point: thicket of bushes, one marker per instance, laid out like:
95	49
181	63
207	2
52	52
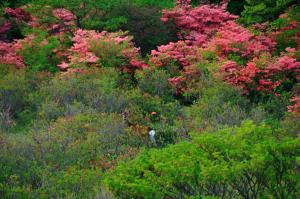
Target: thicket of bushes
78	98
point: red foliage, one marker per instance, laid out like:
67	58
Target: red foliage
9	56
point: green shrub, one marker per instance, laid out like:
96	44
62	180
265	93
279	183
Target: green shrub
219	105
15	91
64	96
242	162
65	158
155	82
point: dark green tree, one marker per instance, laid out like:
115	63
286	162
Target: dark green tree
257	11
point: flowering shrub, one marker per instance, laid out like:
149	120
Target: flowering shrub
66	20
5	27
233	38
212	28
295	108
197	24
40	51
263	75
11	22
103	49
64	15
179	59
19	14
8	55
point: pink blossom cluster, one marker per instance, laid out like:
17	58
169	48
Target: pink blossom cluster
181	54
254	77
233	38
67	19
198	24
295	107
5	27
64	14
9	56
88	43
19	14
210	27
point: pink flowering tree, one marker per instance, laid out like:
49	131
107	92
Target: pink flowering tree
13	18
264	75
197	27
9	56
66	21
233	39
179	60
198	24
295	107
103	49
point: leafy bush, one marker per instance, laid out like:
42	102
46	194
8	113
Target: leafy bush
155	82
247	161
14	97
78	103
66	95
218	106
65	158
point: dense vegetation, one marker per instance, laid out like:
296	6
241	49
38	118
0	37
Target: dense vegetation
83	82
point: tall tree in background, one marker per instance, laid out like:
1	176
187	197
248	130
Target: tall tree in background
257	11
